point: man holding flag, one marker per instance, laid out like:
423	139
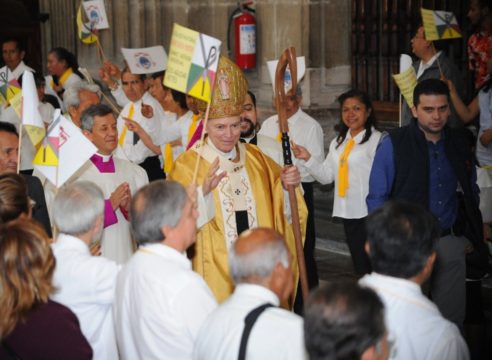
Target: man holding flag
436	28
146	111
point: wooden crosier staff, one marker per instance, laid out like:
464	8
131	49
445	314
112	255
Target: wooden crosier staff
288	57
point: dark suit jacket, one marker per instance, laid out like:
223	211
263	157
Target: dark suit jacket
39	211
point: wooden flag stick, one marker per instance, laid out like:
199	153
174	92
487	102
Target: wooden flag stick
399	110
202	136
89	79
102	55
288	57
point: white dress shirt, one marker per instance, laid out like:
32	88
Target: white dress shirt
119	95
303	130
17	72
71	81
137	153
269	146
353	205
160	305
424	66
116	243
86	284
414	324
277	334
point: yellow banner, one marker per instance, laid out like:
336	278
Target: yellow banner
192	62
406	82
440	25
16	103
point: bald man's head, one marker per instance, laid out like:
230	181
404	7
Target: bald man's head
260	256
253	240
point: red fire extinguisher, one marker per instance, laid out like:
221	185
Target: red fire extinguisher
245	35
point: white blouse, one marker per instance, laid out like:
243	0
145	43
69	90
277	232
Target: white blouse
353	205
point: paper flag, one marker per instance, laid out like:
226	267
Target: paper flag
406	79
16	103
85	31
301	71
439	25
96	13
31	118
63	151
45	156
146	60
192	63
13	89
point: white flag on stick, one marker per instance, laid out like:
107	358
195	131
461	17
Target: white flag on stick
63	151
146	60
31	117
96	13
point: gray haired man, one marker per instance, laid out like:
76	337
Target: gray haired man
160	302
79	97
260	267
84	283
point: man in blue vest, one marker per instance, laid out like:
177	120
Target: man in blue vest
426	162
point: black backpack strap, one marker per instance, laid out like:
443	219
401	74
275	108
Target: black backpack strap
249	322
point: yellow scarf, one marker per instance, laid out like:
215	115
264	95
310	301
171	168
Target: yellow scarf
63	78
193	125
131	111
343	169
168	158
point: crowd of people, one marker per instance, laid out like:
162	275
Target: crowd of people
175	239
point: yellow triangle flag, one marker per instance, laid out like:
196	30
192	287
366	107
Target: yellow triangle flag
16	103
45	156
36	134
12	92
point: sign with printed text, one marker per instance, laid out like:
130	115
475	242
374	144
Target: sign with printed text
192	63
406	82
439	25
146	60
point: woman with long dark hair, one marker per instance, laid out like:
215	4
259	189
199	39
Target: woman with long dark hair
348	164
63	72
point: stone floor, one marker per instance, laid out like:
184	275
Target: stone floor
334	262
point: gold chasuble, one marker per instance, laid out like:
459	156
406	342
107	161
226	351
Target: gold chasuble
264	198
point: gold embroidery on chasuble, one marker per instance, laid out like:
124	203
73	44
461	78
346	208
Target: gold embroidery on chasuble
235	192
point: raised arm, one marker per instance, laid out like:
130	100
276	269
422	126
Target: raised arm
144	136
466	113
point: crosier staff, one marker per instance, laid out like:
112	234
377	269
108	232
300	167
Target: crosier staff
288	57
